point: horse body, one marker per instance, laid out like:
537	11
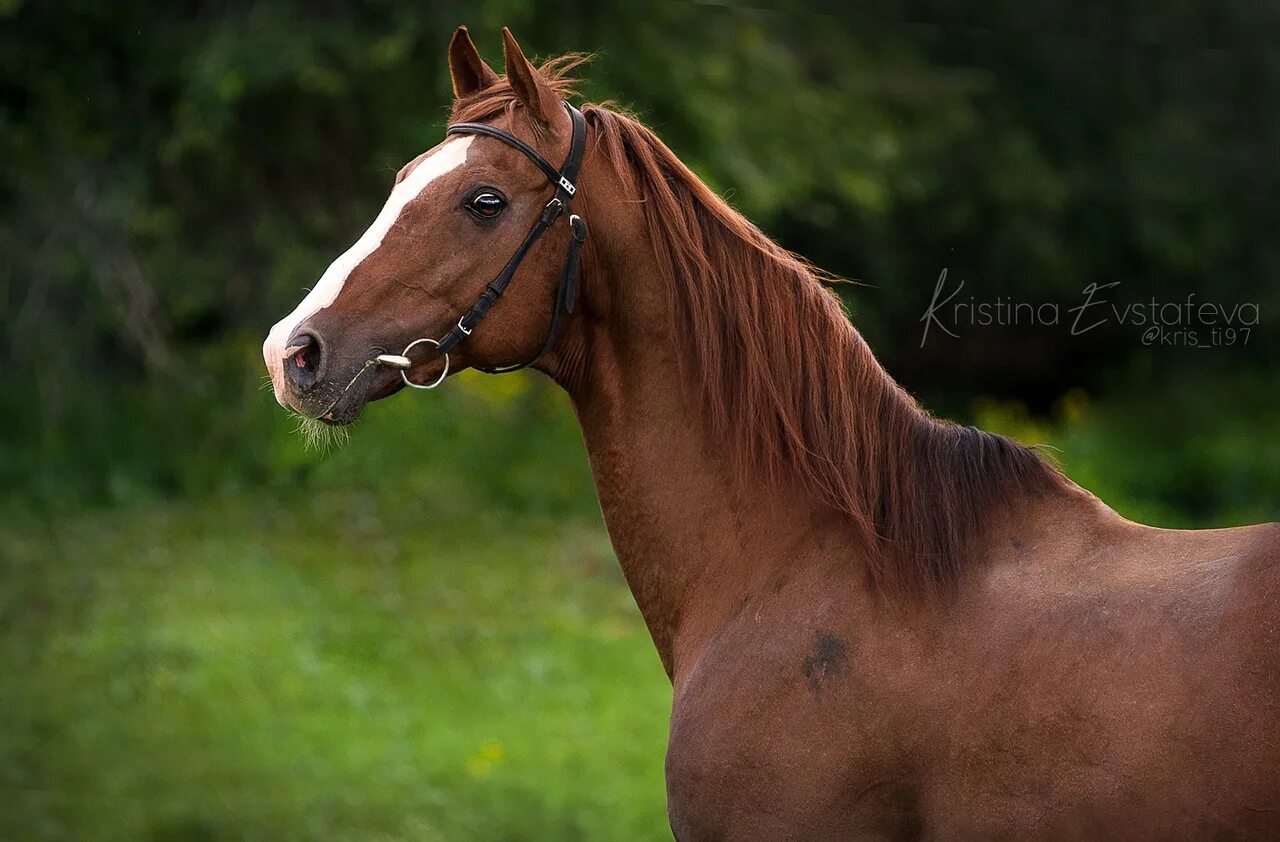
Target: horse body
1085	674
876	624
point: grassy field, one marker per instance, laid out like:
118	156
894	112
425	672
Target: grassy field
356	661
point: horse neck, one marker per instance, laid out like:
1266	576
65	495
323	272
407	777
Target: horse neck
693	543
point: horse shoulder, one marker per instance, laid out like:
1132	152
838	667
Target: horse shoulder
786	693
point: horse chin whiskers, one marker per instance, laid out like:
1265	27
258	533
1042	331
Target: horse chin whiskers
319	435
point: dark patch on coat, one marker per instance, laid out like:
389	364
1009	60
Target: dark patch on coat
828	659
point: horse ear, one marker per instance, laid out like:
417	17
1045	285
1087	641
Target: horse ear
525	81
469	72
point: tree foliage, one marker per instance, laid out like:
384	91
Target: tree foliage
176	173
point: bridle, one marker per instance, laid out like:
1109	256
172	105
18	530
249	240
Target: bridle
563	180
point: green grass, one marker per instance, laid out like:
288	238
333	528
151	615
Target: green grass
329	665
423	635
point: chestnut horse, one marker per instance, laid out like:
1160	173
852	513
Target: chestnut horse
876	624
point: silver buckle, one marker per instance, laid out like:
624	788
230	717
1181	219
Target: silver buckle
465	332
567	186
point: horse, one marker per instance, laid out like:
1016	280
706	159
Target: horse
877	624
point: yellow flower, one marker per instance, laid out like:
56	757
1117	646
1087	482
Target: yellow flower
482	762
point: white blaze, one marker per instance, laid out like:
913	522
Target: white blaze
446	157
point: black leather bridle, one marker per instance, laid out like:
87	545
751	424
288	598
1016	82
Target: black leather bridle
561	203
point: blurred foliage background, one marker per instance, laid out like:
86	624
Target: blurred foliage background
207	632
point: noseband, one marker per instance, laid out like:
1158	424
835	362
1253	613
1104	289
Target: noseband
563	180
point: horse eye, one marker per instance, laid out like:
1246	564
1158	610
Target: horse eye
486	204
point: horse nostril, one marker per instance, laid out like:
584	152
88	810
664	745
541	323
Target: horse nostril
303	359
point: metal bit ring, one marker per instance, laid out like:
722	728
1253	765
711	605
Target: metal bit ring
404	375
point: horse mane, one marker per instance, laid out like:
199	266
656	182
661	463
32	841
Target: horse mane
785	380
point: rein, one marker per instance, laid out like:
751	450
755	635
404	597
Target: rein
561	203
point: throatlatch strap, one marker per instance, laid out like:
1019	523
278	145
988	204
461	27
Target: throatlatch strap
565	294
